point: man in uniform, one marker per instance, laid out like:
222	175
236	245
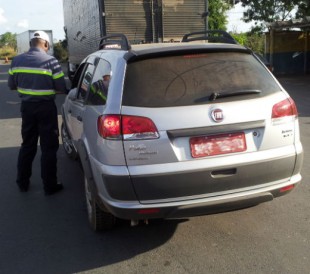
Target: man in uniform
37	77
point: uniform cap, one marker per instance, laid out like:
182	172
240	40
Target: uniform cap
41	34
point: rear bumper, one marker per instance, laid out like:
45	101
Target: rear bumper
253	183
193	206
173	182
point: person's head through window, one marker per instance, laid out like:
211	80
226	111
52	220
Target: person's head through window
106	80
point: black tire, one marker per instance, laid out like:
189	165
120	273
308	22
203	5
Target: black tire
67	143
99	219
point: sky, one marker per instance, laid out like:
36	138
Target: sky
235	23
17	16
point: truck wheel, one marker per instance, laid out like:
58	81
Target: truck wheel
99	219
67	143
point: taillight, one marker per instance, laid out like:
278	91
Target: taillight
284	108
109	126
128	127
137	127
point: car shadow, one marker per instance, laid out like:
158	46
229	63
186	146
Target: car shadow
52	233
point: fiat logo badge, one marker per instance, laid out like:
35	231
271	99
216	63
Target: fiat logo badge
217	115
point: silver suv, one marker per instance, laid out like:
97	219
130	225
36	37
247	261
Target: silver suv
178	130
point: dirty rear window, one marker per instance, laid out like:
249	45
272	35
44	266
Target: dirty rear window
185	80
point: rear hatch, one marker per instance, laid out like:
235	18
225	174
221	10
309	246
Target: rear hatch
199	125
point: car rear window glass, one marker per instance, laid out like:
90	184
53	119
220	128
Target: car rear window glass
188	79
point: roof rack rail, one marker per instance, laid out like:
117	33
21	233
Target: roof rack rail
114	41
214	36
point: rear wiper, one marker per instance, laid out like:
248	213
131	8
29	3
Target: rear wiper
218	95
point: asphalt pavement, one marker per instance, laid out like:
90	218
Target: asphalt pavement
40	234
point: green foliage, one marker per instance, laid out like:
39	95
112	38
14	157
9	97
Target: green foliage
8	45
7	51
303	9
268	11
8	39
217	14
253	41
241	38
60	52
256	42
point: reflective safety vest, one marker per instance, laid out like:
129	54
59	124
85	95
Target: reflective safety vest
36	76
98	89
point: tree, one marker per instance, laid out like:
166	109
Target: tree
268	11
8	39
254	41
303	9
217	14
60	51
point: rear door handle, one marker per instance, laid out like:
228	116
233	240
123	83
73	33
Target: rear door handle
223	173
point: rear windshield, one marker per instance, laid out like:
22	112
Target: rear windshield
188	80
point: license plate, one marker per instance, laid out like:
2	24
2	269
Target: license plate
217	144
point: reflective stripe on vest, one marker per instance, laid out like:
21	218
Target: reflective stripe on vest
36	92
36	71
31	71
58	75
98	92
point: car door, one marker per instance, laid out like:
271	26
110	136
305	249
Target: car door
78	106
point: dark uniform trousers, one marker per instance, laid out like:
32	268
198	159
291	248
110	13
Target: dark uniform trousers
39	121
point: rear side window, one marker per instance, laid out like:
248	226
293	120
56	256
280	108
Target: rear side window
187	80
100	84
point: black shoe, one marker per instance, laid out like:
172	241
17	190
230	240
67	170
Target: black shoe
23	187
58	187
